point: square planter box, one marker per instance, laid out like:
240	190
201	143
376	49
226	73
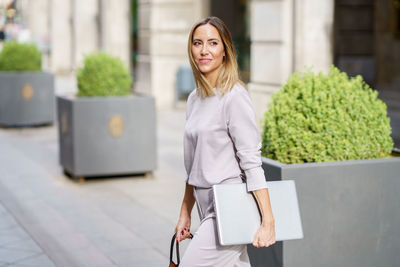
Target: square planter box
350	213
26	98
103	136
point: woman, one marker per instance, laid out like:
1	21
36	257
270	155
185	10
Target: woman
221	144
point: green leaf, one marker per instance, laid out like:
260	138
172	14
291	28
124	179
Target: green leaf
326	117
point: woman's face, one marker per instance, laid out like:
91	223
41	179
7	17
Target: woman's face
208	50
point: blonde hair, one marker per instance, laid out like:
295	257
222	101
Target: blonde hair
228	75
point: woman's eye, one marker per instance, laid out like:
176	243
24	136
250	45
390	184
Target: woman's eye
214	43
196	43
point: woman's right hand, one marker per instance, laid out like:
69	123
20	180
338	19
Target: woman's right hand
182	228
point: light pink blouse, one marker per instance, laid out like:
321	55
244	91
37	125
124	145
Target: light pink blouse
221	140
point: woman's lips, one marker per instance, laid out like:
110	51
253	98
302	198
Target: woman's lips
205	61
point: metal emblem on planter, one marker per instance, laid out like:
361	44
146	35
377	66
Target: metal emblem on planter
64	123
116	126
27	91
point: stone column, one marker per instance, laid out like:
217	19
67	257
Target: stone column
314	34
36	16
115	28
164	26
36	20
86	30
271	49
81	27
61	58
143	71
286	36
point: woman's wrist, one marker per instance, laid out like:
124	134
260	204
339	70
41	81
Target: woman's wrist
267	221
184	215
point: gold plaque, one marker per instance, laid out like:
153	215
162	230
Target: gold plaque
116	126
64	123
27	91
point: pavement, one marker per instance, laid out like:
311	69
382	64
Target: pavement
48	219
17	248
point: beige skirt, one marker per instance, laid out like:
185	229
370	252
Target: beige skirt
204	249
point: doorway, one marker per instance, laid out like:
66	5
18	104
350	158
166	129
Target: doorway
367	42
235	14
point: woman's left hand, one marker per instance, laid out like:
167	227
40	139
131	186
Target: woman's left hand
265	235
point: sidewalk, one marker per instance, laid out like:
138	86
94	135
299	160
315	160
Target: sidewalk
103	222
17	248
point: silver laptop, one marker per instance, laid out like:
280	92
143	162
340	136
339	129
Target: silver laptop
238	217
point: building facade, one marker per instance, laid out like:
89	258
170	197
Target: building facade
71	29
273	37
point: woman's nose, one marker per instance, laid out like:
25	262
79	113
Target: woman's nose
204	50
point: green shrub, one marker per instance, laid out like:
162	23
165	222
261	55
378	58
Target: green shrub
317	118
20	57
103	75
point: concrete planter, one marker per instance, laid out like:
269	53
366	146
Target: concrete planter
101	136
350	213
26	98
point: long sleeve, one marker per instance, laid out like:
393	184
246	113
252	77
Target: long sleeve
242	128
188	146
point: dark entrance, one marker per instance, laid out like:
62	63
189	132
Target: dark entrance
235	14
134	35
367	42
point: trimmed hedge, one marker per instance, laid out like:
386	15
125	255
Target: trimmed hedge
20	57
318	118
103	75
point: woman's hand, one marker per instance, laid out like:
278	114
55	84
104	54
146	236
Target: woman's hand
265	235
182	228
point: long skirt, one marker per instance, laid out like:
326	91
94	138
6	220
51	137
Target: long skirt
204	249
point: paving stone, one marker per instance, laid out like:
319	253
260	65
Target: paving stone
2	210
119	221
137	256
12	236
7	222
84	257
37	261
24	244
146	264
109	245
12	256
16	230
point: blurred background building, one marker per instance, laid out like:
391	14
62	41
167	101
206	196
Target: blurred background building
273	39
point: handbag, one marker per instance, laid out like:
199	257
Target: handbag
171	251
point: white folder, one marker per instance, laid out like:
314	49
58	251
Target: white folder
238	217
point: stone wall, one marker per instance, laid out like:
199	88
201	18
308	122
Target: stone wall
115	35
61	60
164	26
286	36
75	28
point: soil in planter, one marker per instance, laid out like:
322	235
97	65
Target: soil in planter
395	152
395	155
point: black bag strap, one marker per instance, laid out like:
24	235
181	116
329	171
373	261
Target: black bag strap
171	252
